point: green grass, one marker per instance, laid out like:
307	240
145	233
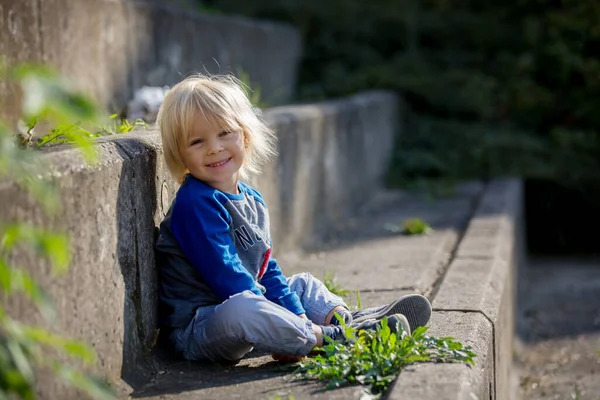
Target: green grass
411	226
330	283
576	395
374	359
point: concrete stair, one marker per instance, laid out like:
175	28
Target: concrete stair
325	192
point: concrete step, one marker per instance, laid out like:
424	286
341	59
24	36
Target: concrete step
381	265
111	210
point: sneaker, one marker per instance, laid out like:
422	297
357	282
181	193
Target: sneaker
414	307
396	322
345	317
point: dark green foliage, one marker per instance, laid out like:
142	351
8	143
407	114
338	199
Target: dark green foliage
502	87
528	60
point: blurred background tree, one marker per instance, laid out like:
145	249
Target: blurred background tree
494	88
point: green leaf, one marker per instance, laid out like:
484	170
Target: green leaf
44	192
70	347
376	357
20	360
44	95
12	278
95	387
54	246
415	226
5	277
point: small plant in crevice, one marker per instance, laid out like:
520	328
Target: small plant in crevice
411	226
330	283
253	90
576	395
358	301
374	359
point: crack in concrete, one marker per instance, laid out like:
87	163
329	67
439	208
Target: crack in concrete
433	291
463	310
453	256
474	258
407	288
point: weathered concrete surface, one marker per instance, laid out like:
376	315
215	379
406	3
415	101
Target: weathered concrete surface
112	209
186	41
361	256
91	299
481	277
87	42
109	48
332	155
452	381
362	238
364	255
558	329
19	42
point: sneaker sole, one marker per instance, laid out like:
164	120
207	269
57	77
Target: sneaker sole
414	307
403	322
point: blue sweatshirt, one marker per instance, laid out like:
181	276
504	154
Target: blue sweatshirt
213	245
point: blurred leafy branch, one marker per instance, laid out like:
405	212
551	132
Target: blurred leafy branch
27	350
72	117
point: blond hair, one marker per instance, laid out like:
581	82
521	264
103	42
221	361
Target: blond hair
222	100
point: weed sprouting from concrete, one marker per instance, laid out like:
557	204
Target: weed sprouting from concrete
68	133
374	359
411	226
330	283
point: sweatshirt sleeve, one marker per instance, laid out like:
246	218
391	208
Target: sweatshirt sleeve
201	226
278	290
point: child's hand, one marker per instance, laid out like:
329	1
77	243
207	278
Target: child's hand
286	359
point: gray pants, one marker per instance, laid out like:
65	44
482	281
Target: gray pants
230	330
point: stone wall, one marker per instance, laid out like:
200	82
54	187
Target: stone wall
109	48
331	156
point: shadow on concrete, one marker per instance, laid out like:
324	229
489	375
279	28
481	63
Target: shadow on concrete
255	377
135	253
186	376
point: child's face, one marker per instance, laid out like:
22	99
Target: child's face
214	155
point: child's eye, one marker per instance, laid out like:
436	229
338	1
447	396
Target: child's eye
196	141
224	133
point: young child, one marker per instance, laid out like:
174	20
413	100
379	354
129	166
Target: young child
222	293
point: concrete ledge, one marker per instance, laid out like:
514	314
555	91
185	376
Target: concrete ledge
452	381
332	156
111	210
480	280
472	297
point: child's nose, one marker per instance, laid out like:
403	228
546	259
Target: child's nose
215	146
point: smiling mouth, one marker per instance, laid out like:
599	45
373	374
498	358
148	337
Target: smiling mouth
218	164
